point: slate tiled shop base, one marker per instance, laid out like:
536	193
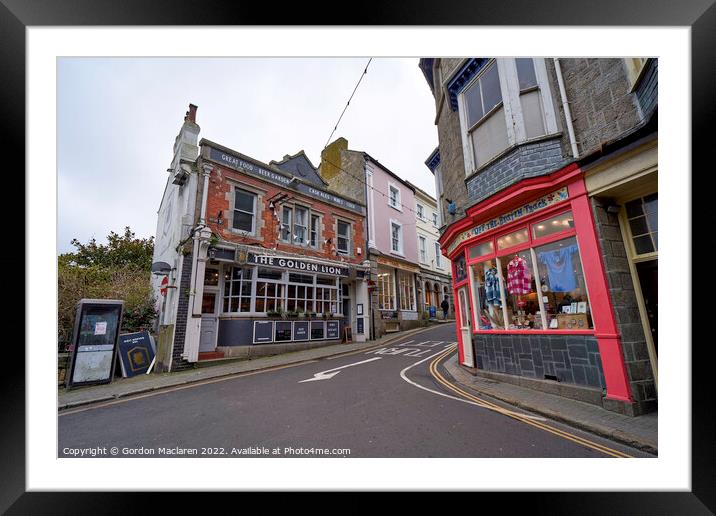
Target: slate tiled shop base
572	359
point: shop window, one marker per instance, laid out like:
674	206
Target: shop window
642	215
561	222
237	289
269	290
344	237
386	290
407	291
562	286
244	210
211	277
482	249
522	309
487	289
516	238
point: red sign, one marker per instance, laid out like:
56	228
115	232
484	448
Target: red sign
164	283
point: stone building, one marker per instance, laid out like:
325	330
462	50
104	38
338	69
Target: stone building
549	196
260	257
391	237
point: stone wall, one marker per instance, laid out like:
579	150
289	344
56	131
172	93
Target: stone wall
602	106
572	359
626	308
527	160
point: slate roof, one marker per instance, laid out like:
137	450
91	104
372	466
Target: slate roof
300	166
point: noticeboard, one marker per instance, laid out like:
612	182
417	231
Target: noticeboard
300	330
332	330
94	343
318	330
263	332
136	352
283	331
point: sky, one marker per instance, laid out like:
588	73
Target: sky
118	118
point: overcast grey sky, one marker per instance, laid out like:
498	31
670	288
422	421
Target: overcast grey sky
118	117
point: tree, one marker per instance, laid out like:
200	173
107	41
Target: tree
118	270
121	251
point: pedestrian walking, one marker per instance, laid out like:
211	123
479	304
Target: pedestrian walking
445	305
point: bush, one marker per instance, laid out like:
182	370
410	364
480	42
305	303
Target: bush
129	284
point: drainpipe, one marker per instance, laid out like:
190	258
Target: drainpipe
565	106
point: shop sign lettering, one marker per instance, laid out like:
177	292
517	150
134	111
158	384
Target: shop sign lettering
297	265
250	168
527	209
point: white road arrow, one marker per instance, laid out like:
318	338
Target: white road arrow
326	375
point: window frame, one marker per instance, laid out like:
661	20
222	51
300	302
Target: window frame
391	187
255	197
438	256
514	119
385	277
308	227
348	251
401	237
422	249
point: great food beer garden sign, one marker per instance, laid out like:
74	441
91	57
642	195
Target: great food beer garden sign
247	167
293	264
516	214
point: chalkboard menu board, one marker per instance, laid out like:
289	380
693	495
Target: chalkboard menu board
300	330
317	330
283	331
263	331
359	326
332	330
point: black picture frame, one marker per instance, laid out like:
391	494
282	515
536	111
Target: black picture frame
700	16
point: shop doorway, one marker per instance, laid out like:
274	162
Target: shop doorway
464	328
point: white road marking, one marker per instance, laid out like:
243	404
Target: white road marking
501	410
326	375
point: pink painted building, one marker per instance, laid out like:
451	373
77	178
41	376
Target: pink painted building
391	239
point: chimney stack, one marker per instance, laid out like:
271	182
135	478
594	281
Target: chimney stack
191	114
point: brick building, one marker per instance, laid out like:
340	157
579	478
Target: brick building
261	258
548	188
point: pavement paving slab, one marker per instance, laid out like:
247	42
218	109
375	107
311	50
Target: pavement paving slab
640	432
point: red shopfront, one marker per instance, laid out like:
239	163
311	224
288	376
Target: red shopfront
530	290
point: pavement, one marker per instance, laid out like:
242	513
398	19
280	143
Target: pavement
122	387
640	432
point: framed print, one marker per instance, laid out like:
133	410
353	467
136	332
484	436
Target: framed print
130	82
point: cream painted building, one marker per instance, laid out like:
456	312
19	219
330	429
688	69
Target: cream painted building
435	275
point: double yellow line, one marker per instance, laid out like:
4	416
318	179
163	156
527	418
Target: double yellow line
491	406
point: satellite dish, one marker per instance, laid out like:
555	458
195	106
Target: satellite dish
161	268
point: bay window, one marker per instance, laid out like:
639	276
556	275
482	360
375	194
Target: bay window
506	103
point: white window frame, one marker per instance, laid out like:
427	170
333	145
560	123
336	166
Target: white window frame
311	215
510	90
347	252
405	279
422	249
420	211
292	226
435	219
254	215
386	279
438	256
401	237
391	187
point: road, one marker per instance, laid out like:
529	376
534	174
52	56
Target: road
385	402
